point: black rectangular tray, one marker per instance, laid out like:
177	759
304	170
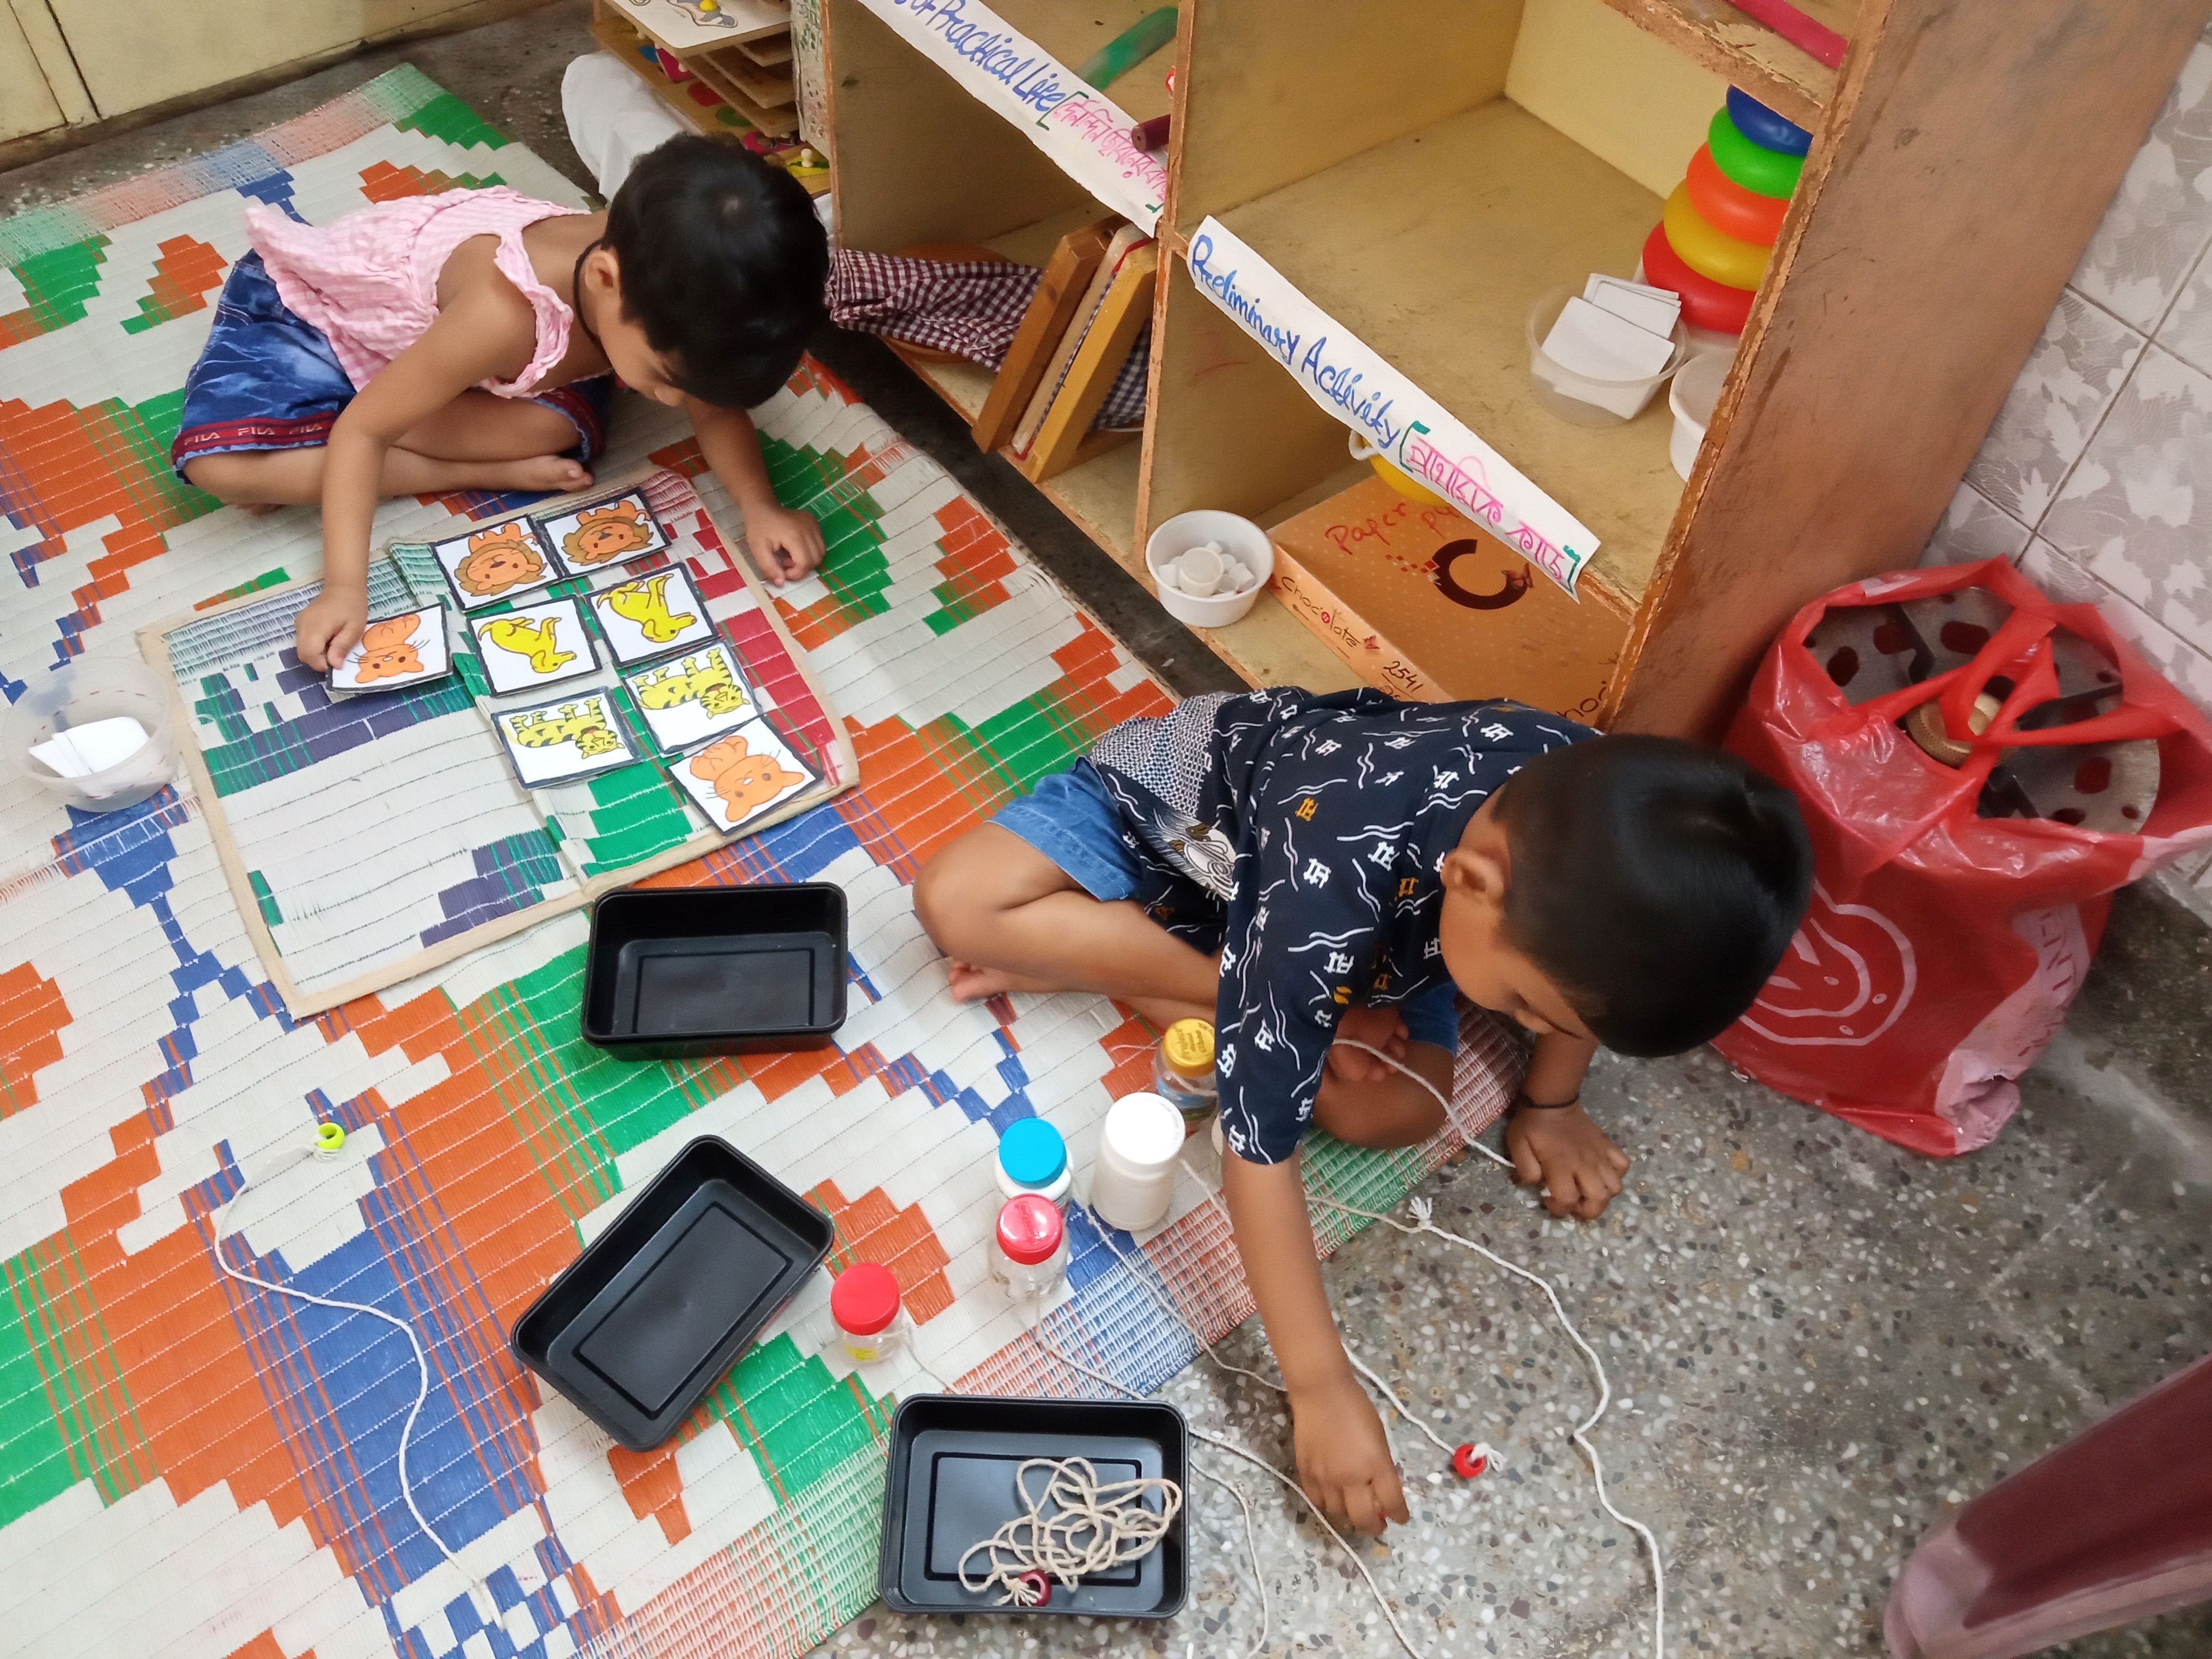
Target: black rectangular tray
679	973
647	1321
952	1483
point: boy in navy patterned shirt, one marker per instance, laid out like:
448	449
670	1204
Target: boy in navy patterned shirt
1311	871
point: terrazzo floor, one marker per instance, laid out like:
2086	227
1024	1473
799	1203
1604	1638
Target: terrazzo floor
1817	1342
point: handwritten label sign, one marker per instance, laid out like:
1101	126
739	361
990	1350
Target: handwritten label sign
1082	129
1348	378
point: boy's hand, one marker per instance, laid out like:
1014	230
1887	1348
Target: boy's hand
1344	1458
1379	1028
330	626
787	542
1569	1157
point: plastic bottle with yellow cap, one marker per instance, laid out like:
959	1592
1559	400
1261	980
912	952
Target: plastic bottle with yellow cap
1182	1073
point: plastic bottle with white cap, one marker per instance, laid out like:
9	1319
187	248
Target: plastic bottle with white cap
1033	1159
1028	1247
1132	1183
871	1325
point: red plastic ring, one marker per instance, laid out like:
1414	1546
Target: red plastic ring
1728	207
1040	1584
1468	1462
1705	303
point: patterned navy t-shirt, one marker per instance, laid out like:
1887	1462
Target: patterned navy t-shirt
1305	835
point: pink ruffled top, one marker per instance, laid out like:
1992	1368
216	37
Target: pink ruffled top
369	282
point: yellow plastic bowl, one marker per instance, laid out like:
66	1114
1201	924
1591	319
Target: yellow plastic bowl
1395	476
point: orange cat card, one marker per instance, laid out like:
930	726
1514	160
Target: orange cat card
396	652
741	774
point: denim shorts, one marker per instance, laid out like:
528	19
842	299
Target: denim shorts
1072	819
267	379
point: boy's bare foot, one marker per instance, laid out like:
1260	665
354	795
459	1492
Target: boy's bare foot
972	984
537	473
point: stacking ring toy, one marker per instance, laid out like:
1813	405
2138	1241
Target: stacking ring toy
1730	208
1711	253
1705	303
1763	172
1763	127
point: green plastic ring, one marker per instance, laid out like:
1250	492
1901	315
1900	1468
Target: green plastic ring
1761	171
330	1137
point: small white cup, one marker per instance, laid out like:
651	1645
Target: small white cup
1695	394
1233	539
1198	572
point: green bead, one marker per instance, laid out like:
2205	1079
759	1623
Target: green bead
1761	171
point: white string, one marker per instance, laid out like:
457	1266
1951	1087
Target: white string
1422	1212
1093	1526
421	1361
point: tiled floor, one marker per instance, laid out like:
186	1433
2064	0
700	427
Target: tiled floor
1817	1342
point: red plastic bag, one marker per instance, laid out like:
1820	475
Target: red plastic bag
1943	947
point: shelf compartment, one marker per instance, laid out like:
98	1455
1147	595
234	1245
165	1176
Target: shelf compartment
1437	245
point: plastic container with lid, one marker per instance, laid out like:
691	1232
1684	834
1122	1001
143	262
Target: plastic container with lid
1028	1247
1133	1184
1182	1071
1033	1159
865	1302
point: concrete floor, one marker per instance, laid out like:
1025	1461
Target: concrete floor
1818	1343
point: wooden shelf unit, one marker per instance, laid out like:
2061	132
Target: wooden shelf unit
1422	174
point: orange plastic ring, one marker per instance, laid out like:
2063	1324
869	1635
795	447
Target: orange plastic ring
1709	252
1730	208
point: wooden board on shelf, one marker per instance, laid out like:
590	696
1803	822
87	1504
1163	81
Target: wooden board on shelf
769	88
1787	79
609	29
1108	336
768	51
1051	309
1439	245
775	123
684	29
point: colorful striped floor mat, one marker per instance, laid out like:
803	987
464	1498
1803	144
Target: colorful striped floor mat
191	1465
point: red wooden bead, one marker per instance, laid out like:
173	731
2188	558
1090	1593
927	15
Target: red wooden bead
1468	1462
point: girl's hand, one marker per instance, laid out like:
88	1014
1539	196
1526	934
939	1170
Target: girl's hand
787	542
330	626
1344	1458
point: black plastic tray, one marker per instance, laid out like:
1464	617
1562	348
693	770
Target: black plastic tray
951	1482
648	1318
678	973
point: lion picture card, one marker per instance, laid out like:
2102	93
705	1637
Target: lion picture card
498	562
610	531
394	653
576	737
740	776
651	617
689	699
536	646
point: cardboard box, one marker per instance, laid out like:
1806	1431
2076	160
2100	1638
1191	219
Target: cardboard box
1423	604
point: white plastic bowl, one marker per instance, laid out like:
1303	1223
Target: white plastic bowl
1695	394
89	689
1240	538
1584	399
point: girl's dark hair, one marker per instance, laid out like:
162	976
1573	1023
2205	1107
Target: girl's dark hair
1656	883
723	266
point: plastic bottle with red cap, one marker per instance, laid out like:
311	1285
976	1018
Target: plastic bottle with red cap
871	1325
1028	1247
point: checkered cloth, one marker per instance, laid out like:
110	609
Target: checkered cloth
970	309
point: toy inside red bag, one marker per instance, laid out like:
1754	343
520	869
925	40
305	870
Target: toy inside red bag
1980	769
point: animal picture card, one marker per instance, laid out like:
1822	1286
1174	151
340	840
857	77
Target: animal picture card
564	741
603	532
537	645
652	616
737	778
688	699
395	653
487	566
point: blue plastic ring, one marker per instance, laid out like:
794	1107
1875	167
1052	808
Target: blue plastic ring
1763	127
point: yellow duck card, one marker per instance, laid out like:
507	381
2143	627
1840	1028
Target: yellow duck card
537	645
652	616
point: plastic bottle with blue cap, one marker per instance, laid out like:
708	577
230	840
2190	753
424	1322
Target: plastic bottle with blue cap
1033	1159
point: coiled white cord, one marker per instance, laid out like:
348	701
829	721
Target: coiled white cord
422	1360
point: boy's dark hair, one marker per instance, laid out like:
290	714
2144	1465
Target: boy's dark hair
1656	883
723	266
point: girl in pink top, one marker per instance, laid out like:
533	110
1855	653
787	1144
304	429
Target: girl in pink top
466	340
